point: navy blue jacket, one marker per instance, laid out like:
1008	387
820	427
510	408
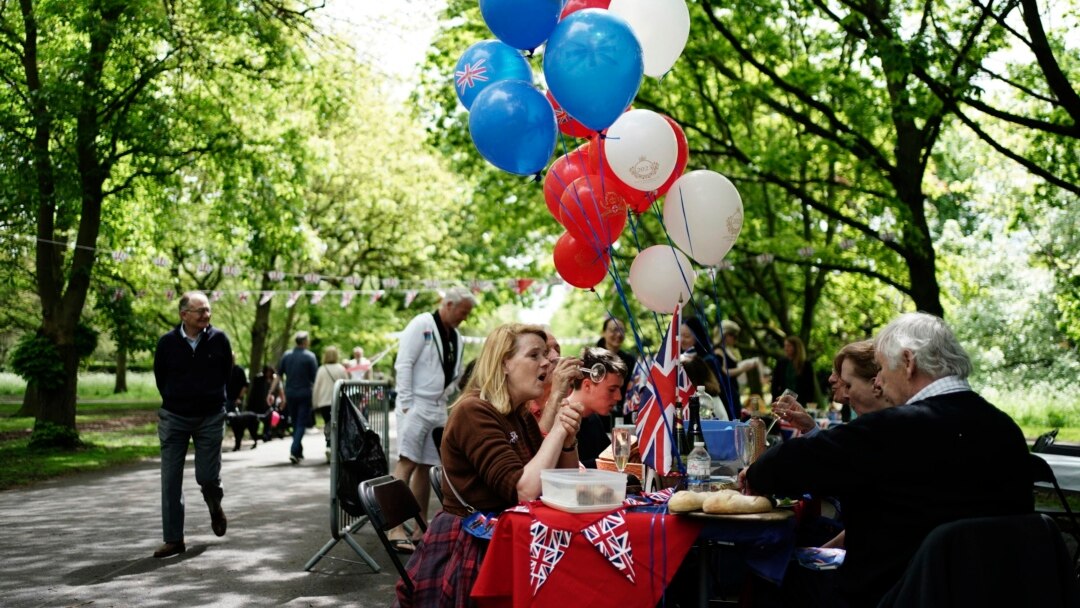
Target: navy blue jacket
299	368
192	383
901	472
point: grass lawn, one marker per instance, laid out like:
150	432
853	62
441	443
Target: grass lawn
114	433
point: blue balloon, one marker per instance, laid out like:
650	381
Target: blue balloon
486	63
523	24
513	126
593	66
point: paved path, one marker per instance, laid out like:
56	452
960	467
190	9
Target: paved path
87	540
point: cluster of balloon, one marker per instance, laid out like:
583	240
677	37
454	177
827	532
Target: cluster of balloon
595	55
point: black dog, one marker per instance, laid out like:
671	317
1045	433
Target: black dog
245	421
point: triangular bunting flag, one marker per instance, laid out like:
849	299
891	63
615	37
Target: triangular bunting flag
244	296
375	295
346	297
119	256
317	296
547	548
410	295
265	297
216	295
293	297
170	294
522	285
611	537
117	294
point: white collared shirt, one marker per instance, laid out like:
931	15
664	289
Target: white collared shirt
193	342
941	386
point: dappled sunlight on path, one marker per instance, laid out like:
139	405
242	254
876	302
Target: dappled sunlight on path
88	539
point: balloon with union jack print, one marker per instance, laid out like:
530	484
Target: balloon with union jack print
484	64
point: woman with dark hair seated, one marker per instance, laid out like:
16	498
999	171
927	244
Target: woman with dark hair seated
701	365
492	454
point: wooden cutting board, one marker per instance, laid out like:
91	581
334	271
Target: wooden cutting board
770	516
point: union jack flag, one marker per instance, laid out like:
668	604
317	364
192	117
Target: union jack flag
611	537
655	426
472	74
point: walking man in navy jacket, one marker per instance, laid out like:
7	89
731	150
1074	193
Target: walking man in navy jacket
191	366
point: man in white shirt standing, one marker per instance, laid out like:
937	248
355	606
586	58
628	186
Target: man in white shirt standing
428	362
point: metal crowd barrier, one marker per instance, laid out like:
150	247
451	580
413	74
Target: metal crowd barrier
372	399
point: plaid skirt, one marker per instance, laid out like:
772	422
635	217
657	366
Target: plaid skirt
444	568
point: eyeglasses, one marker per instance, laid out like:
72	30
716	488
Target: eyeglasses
198	311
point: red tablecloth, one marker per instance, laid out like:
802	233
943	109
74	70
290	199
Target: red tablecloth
583	577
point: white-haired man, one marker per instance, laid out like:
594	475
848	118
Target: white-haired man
943	453
428	361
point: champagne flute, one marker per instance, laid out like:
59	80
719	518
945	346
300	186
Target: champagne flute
744	444
621	436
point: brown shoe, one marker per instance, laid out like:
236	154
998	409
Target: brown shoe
218	523
170	549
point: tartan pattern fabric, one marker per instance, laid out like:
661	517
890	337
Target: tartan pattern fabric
611	537
444	568
547	548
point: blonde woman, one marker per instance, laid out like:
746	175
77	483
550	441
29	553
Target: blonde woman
492	453
322	396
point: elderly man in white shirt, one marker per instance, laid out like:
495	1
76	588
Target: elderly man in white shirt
427	365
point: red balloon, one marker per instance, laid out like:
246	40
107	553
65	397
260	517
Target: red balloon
578	263
566	123
635	199
574	6
593	212
563	172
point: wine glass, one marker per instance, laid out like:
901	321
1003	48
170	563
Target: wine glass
744	444
621	436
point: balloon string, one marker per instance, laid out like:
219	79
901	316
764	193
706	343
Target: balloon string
588	228
726	381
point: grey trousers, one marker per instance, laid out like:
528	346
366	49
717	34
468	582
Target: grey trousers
175	432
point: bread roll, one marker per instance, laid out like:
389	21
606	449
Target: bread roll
685	502
732	502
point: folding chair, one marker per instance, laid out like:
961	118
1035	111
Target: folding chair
389	503
1044	441
1017	560
435	475
1042	473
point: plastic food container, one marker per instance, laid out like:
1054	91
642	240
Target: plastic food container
576	488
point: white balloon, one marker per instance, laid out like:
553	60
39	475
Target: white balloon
661	26
661	277
703	214
641	149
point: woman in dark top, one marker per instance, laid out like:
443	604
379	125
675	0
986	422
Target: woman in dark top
701	365
793	372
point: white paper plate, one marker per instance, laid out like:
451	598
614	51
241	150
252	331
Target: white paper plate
578	508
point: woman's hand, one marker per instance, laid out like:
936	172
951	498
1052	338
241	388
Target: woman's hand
789	410
569	418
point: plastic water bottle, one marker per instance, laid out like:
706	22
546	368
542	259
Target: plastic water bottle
698	465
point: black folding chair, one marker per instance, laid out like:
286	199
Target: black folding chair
1044	441
1041	472
1017	560
389	503
435	475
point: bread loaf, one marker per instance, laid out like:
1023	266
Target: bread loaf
685	502
730	501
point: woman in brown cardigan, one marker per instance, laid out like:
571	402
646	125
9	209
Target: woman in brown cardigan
492	454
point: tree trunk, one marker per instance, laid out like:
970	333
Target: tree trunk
55	423
121	370
31	402
260	330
